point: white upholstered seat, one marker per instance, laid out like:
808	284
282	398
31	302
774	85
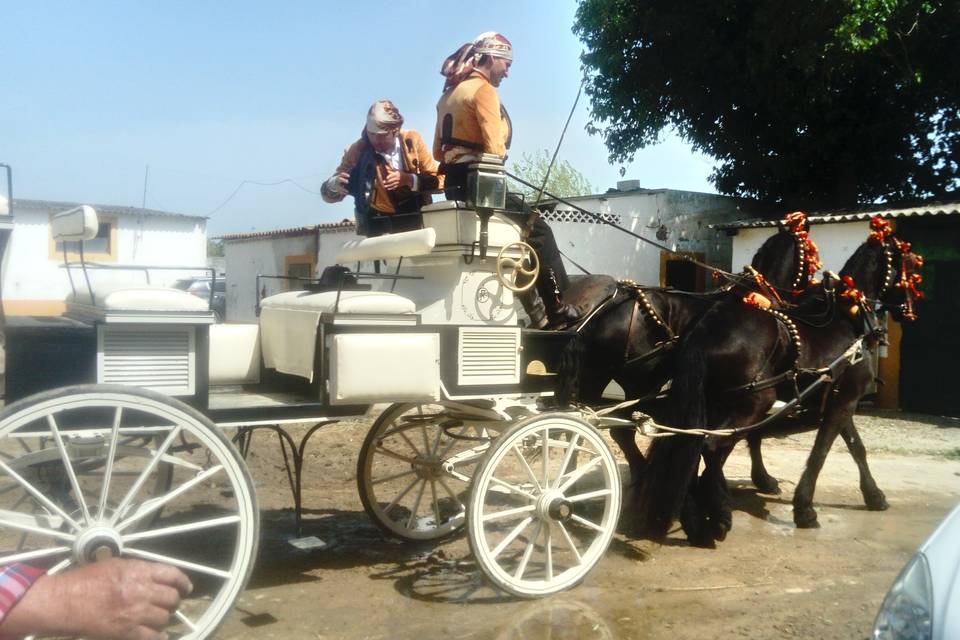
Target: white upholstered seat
350	302
120	297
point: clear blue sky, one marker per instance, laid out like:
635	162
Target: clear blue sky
213	93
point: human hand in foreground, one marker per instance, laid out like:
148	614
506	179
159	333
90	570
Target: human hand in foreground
120	599
396	179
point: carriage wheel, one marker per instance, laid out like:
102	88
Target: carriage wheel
544	505
414	470
95	471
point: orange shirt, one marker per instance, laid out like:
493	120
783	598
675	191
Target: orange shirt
416	159
477	118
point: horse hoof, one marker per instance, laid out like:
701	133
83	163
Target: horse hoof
767	484
806	519
720	530
702	541
877	501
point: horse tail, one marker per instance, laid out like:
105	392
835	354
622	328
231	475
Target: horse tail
672	462
569	371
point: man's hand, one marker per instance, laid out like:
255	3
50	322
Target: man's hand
116	598
343	179
396	179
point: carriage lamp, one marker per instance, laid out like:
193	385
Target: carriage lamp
486	192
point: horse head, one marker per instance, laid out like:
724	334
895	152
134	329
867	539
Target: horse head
884	270
789	259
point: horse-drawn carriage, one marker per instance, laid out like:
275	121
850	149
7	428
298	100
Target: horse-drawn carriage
123	416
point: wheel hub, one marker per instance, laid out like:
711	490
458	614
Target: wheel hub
427	468
97	543
552	505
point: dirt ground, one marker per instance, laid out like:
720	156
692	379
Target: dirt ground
768	579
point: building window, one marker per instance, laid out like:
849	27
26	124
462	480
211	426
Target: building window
678	273
301	266
102	248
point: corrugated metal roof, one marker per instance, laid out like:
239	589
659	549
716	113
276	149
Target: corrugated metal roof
343	225
111	209
928	209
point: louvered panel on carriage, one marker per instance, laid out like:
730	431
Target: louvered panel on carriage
157	357
488	355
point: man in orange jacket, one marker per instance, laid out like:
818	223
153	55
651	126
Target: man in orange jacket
470	122
389	172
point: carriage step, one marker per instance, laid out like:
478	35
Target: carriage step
307	543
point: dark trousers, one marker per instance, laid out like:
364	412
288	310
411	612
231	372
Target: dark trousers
553	278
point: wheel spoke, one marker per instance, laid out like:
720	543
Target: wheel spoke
548	542
590	495
177	562
108	469
416	505
390	454
182	528
408	472
406	438
401	495
513	488
526	466
571	450
190	624
152	505
38	495
586	523
33	524
546	456
63	565
436	504
527	552
446	487
162	449
507	513
32	555
570	543
579	473
510	537
52	423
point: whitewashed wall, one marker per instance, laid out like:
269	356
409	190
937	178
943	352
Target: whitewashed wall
603	249
836	241
32	274
249	257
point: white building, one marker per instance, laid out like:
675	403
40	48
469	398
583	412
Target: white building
678	220
299	252
34	281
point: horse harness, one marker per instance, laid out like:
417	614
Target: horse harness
641	304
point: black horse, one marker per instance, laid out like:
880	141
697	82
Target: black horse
631	338
736	362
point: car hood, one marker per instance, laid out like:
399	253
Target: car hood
942	550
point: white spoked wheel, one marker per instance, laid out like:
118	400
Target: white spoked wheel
544	505
97	471
414	470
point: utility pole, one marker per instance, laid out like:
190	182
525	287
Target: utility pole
146	176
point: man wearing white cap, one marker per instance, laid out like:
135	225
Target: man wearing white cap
388	171
471	121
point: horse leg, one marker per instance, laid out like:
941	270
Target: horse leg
804	515
872	495
694	511
762	480
626	440
715	491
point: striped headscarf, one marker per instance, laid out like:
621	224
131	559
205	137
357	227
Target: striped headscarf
463	61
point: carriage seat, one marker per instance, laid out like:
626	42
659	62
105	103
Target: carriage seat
288	322
123	297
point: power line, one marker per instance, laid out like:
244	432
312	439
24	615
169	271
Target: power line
261	184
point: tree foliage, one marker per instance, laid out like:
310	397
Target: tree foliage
214	248
565	181
809	103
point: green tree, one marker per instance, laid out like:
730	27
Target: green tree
564	181
214	248
809	103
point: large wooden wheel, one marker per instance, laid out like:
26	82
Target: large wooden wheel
96	471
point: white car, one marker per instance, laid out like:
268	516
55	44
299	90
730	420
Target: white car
924	601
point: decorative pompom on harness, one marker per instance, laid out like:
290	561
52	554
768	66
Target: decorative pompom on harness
808	253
